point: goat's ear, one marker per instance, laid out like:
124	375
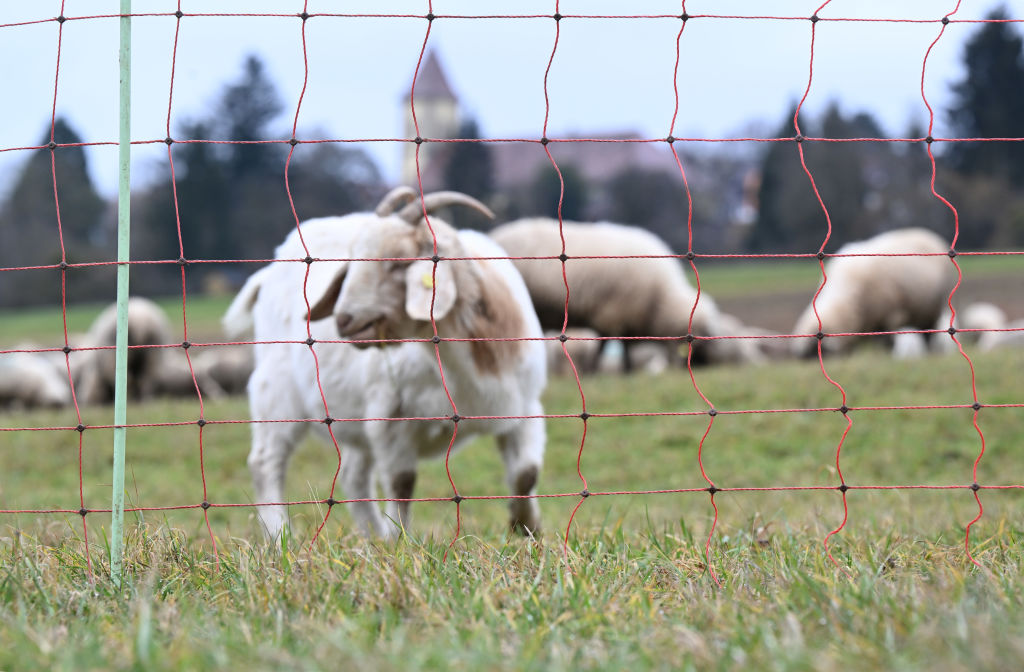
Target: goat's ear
323	286
423	284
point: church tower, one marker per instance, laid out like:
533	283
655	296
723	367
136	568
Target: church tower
437	111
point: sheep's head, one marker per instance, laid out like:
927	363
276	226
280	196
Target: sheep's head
393	287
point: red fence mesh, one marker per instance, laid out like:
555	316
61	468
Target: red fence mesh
691	257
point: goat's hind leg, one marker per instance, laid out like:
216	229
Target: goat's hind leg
522	450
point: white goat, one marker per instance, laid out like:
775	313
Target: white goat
879	293
367	389
622	294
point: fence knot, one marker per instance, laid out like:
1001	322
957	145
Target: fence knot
712	490
205	505
83	511
457	498
584	415
843	488
67	349
670	139
435	339
310	341
557	16
80	428
975	487
976	406
585	493
455	417
684	17
330	501
201	422
562	337
168	141
328	421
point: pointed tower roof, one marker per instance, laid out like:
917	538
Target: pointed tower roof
431	83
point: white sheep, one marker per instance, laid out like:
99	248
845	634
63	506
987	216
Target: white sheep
879	293
1013	337
33	380
982	316
94	370
624	294
367	389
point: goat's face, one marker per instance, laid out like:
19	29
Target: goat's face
389	294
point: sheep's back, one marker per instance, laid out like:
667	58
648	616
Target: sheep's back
614	296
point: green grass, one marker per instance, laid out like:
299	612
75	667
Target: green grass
631	590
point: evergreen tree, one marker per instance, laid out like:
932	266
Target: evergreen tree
989	103
232	202
468	168
29	233
543	195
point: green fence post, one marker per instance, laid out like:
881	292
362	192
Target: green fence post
121	346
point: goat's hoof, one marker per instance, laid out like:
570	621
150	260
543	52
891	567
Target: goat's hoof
526	528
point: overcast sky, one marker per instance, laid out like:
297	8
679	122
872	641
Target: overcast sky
608	75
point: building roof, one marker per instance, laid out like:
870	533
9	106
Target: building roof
431	83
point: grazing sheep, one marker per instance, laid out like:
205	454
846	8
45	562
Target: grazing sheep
879	293
980	315
370	300
226	366
625	296
94	374
1004	339
32	380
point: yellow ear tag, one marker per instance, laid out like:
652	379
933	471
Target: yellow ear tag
427	280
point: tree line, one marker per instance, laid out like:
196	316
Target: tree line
228	199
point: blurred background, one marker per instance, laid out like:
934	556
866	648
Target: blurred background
739	79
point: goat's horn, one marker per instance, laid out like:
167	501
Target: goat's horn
395	199
439	199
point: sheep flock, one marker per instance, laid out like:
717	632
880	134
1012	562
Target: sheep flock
390	314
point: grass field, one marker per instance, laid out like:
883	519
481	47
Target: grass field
631	589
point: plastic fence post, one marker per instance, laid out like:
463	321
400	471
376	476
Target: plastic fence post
121	351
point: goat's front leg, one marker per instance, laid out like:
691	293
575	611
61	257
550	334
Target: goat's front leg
357	481
272	445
